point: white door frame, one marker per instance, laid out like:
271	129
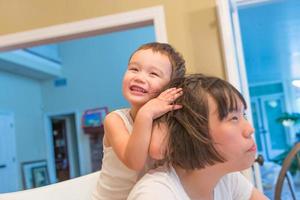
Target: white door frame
259	132
234	60
272	153
13	162
82	141
94	26
148	16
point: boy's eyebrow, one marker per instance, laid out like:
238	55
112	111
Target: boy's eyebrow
150	67
134	63
156	69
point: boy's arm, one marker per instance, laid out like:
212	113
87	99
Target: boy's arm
124	143
132	149
159	141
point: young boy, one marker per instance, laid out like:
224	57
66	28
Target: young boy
128	131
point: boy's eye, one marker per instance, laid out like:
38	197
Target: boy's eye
135	69
154	74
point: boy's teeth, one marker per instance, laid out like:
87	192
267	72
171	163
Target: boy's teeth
139	89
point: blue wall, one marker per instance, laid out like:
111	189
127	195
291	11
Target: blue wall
93	68
22	96
270	36
49	52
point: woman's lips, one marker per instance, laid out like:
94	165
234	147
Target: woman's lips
252	148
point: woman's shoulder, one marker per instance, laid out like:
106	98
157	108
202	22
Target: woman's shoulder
158	180
234	185
158	174
234	177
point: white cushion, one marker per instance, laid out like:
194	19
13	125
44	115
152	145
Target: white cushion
74	189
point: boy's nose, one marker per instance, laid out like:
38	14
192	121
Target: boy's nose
140	78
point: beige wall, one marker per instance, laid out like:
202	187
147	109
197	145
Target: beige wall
192	25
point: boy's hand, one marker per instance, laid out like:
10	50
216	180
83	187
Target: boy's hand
163	103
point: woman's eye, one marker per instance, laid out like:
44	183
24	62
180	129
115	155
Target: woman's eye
234	118
245	116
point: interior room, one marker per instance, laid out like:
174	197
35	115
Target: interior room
62	63
271	60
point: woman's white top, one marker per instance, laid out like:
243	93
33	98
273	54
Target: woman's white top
164	184
115	180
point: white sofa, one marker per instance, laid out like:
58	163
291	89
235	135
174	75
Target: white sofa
75	189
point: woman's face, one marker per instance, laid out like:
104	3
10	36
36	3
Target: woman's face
232	137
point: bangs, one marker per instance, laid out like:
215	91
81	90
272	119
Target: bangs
190	144
227	98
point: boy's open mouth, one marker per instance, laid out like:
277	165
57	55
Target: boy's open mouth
138	89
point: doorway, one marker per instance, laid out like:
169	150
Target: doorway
65	147
261	55
153	16
8	163
270	136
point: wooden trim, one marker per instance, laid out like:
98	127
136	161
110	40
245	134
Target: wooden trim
285	166
89	27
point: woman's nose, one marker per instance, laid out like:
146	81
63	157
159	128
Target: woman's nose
249	130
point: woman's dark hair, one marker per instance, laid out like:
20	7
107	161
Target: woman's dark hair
190	145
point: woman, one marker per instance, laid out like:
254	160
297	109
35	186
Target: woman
209	142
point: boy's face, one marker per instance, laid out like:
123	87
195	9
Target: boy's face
146	75
232	137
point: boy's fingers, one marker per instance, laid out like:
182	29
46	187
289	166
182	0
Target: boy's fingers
176	107
175	90
178	94
172	98
170	90
170	95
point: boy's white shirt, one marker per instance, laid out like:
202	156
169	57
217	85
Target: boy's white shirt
115	179
164	184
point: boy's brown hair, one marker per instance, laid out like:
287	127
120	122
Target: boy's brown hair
176	59
190	145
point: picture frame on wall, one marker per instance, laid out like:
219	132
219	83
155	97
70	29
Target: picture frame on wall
40	176
35	174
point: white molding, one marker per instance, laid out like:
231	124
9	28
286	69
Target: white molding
242	2
153	15
22	62
14	163
234	62
49	148
247	3
228	43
